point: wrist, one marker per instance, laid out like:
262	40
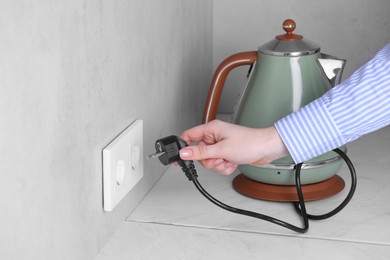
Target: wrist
267	146
277	148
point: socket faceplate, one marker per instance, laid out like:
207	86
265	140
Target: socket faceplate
123	165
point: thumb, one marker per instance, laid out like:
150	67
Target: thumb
199	152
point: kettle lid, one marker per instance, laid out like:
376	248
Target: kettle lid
289	44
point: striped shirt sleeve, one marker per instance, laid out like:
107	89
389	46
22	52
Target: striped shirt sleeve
357	106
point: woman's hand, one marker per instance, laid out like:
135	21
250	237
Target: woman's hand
222	146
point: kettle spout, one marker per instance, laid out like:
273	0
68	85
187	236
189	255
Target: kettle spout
331	69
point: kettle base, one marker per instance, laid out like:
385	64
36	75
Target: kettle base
283	193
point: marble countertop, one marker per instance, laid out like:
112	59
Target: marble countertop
360	230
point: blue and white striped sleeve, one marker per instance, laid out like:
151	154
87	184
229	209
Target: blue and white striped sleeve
357	106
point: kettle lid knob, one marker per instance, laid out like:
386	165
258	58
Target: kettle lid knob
289	26
289	44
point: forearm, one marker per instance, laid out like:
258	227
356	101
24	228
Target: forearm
358	106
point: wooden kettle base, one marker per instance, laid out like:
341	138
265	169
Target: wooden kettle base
264	191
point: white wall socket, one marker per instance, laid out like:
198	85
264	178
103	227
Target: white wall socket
123	165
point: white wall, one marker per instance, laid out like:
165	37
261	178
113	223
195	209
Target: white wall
351	29
73	75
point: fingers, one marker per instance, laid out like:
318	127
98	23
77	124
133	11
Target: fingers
225	167
209	150
208	133
194	134
219	165
200	152
208	158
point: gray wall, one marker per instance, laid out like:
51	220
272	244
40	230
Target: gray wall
73	75
351	29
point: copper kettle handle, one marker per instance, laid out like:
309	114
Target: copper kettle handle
215	91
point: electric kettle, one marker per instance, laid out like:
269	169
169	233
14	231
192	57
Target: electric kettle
285	74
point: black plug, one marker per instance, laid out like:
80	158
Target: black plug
167	151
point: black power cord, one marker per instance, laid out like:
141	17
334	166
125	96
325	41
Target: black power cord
347	198
302	208
167	150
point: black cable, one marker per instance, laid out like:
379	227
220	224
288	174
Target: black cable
348	197
192	176
299	206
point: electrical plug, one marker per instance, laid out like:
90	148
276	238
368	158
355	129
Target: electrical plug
167	151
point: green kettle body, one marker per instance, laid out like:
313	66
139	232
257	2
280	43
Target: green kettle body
278	86
287	73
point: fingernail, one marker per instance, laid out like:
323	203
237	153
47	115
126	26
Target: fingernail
185	153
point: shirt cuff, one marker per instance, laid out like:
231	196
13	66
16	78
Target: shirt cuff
309	132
